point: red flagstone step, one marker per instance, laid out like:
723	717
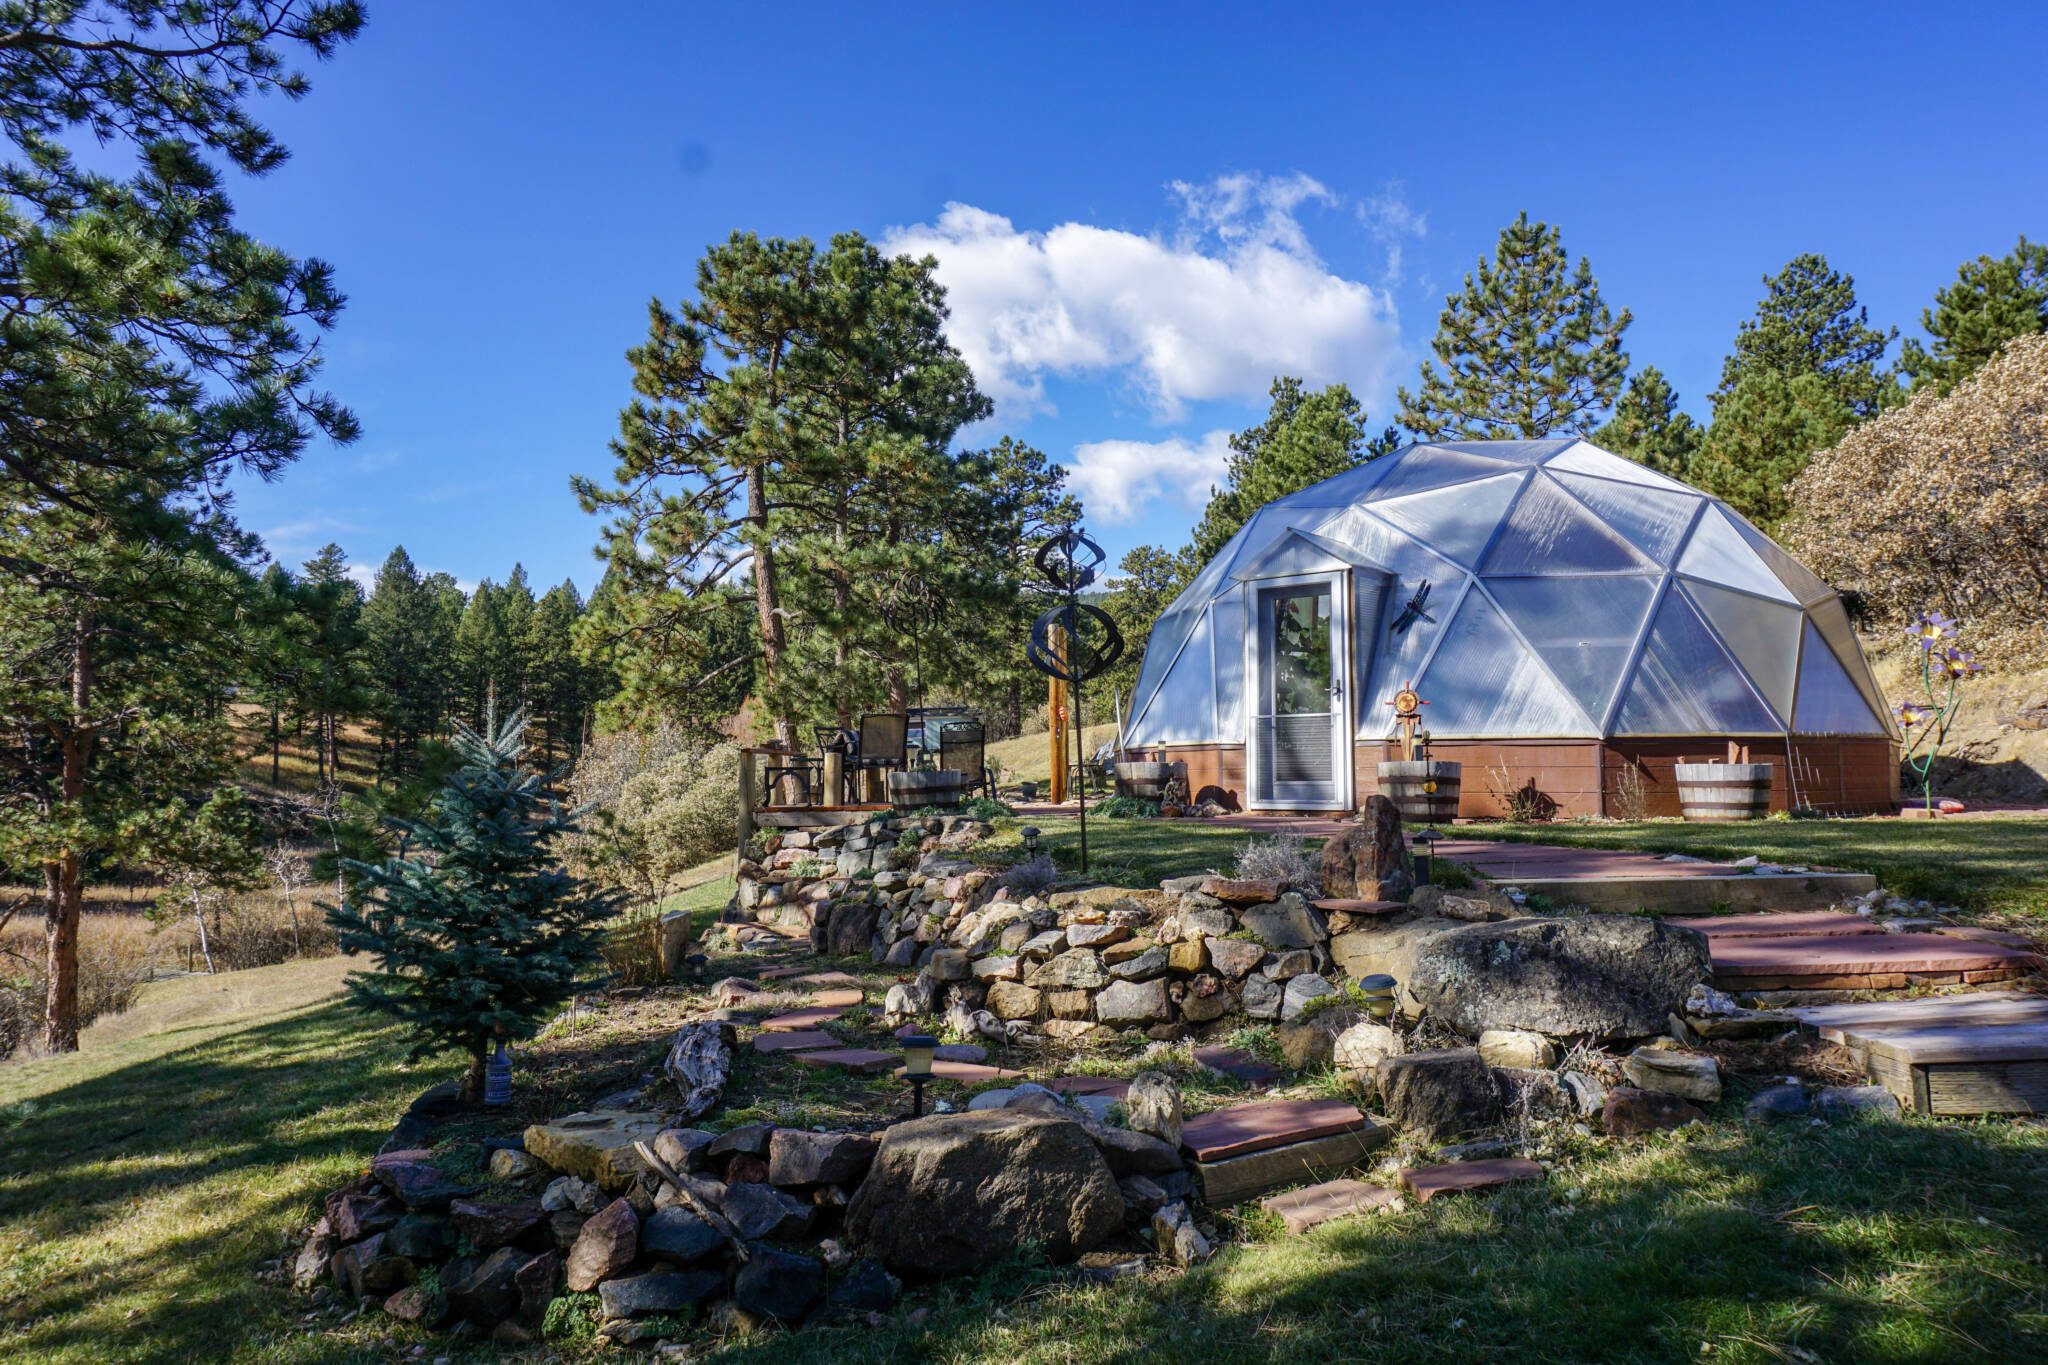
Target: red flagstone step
825	979
1862	961
1089	1085
1427	1182
807	1040
1318	1204
842	999
858	1059
968	1073
1239	1066
781	973
796	1021
1257	1127
1820	923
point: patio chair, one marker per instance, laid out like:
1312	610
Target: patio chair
882	744
963	747
800	769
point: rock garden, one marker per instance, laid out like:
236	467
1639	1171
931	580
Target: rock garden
1122	1082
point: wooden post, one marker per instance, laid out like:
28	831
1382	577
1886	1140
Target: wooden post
835	778
747	800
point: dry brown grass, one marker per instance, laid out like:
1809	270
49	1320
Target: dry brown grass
121	949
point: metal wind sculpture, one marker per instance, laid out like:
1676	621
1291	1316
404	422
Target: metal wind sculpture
1088	643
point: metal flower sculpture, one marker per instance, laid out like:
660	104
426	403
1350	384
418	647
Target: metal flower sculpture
1944	665
1073	640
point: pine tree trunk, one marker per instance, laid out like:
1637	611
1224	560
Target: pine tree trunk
63	879
205	945
768	603
275	743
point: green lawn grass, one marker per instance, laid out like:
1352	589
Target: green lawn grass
144	1182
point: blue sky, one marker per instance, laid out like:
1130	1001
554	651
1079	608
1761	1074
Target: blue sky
1142	218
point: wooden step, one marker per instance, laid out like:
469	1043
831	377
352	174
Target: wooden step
1953	1054
1232	1180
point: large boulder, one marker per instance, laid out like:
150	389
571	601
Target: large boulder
597	1145
1439	1094
955	1193
849	930
1604	976
1368	861
1290	922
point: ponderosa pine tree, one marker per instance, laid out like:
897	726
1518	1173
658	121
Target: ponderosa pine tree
478	930
1810	322
1306	438
1528	349
408	642
1993	300
1648	427
148	347
1805	368
335	684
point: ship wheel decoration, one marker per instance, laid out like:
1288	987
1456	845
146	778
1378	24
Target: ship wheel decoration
1408	704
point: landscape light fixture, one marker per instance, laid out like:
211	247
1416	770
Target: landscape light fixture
1030	833
1379	995
1425	853
918	1051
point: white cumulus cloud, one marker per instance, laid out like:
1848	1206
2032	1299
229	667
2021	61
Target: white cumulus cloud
1236	297
1118	480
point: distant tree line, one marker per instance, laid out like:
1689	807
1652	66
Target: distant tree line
1529	349
413	655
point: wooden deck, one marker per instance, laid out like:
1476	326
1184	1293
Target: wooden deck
1952	1054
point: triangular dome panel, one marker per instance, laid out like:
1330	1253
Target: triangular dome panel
1584	628
1483	681
1763	637
1653	519
1400	654
1804	584
1686	684
1425	467
1549	532
1833	620
1580	458
1717	553
1459	520
1829	703
1521	452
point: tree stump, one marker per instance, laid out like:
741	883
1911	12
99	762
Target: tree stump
1368	861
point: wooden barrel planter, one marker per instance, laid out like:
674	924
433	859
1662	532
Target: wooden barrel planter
923	787
1425	792
1144	780
1724	791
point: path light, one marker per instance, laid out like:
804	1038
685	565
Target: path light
1379	995
1030	833
918	1051
1425	855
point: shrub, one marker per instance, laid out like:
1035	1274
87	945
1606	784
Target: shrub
1947	495
1030	877
672	815
1125	808
1279	858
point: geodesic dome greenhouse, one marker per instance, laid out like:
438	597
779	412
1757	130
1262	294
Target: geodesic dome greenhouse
1567	614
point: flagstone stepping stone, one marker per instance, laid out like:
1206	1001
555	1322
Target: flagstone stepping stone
862	1060
1245	1128
1862	961
808	1040
1111	1086
797	1021
1239	1066
780	973
1356	907
827	979
837	999
967	1073
1317	1204
1427	1182
1825	923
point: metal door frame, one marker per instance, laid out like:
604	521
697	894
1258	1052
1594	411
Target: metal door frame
1258	679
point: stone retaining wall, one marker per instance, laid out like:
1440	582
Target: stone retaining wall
1071	963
